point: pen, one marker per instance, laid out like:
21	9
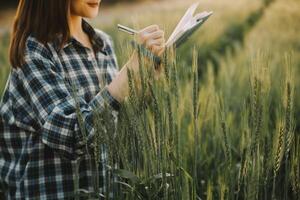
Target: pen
127	30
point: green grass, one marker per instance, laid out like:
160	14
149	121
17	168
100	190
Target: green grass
4	69
230	131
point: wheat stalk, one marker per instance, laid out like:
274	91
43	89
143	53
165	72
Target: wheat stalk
278	156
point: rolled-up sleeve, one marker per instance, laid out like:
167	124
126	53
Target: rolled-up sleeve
56	107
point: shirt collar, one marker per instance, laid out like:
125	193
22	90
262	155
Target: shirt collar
96	40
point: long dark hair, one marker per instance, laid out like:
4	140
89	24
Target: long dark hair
43	19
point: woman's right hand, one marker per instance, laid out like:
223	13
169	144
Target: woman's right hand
153	38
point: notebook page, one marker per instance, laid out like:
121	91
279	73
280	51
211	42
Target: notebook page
198	19
184	20
190	28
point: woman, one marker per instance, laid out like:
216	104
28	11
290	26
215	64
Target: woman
52	51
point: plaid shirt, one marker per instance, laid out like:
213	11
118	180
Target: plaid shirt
40	135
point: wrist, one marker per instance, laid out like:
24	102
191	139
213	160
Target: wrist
119	87
115	91
133	63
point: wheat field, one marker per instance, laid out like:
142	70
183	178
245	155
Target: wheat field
223	121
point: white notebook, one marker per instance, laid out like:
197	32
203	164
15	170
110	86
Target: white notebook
188	24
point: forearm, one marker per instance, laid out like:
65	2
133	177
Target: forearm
153	38
119	87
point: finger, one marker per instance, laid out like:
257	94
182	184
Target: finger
145	37
161	51
150	29
159	46
155	35
155	48
158	42
158	50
